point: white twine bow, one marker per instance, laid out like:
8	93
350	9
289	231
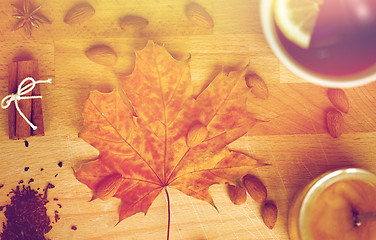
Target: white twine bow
22	90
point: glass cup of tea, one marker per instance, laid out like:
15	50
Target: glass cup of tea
342	47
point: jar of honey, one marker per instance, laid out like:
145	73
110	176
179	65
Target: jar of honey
327	206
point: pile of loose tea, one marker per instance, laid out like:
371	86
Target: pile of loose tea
26	215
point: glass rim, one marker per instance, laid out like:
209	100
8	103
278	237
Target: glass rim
353	80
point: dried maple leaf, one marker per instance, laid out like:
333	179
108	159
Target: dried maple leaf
141	155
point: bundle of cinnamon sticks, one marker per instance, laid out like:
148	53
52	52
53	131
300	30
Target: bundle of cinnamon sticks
31	108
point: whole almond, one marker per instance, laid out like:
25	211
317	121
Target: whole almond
79	13
334	123
133	23
199	16
107	188
196	134
237	194
257	85
339	99
269	214
255	188
102	54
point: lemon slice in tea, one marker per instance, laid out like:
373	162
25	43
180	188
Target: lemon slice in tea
296	19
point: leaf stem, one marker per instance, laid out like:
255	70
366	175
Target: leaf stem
169	214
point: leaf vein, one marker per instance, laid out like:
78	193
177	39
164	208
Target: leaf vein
125	141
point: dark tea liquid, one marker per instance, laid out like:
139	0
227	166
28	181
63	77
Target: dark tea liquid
343	41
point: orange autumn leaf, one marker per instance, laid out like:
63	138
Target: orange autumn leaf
141	154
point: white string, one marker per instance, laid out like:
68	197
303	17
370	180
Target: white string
22	90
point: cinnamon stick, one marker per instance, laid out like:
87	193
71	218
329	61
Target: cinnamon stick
25	69
37	113
12	88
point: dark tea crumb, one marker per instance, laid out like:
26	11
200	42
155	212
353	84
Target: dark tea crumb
1	185
56	174
21	181
56	199
57	217
26	143
59	205
41	169
60	164
26	216
26	169
48	187
74	228
30	181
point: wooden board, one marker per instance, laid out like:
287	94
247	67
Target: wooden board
293	140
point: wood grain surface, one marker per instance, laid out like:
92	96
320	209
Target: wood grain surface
293	138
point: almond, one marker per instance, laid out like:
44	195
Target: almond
257	85
237	195
79	13
255	188
196	134
334	123
339	99
199	16
133	23
107	188
102	54
269	214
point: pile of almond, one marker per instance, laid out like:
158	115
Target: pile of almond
195	13
257	190
105	55
334	118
